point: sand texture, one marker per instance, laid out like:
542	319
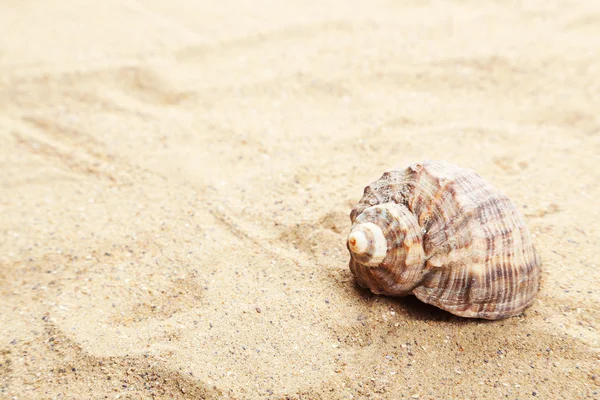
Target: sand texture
177	176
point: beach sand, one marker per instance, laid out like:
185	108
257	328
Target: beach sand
177	176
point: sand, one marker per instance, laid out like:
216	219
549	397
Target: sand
176	180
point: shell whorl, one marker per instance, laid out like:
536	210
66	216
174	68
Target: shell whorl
452	239
368	244
392	237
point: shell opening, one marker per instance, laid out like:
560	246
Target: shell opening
367	244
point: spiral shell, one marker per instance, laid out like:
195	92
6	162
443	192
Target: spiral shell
447	236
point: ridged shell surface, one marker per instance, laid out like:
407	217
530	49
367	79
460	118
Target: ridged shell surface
447	236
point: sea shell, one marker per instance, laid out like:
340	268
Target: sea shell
447	236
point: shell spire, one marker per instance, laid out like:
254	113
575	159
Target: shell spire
447	236
367	242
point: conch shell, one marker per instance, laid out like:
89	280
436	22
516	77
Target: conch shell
447	236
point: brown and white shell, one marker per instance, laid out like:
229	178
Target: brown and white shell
447	236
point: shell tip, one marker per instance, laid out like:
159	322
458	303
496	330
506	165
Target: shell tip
358	242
